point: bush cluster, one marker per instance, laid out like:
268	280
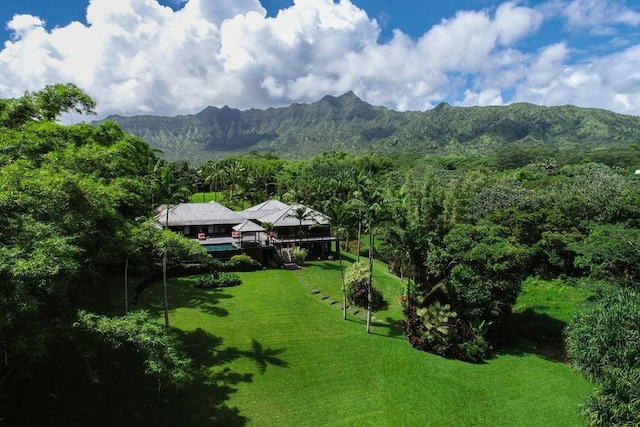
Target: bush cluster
357	280
218	280
242	263
437	329
299	255
357	295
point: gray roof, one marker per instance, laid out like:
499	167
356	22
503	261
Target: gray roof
248	227
186	214
269	207
286	218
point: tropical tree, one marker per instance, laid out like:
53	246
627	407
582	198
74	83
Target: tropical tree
234	174
70	197
214	177
338	213
46	104
172	190
485	269
602	343
612	253
301	214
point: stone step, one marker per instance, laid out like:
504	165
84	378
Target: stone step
291	266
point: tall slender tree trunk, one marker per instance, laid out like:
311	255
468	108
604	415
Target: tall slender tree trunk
164	276
359	237
165	290
370	284
344	288
126	285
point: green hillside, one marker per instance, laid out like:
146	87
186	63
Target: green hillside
350	124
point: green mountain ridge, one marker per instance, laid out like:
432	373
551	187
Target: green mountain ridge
347	123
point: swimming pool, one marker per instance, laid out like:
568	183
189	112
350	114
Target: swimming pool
220	247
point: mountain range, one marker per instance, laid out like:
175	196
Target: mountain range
347	123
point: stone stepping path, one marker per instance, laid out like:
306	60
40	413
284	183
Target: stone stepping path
354	311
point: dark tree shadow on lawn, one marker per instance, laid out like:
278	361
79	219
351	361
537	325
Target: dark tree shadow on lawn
119	393
214	382
182	294
393	328
536	333
261	356
330	266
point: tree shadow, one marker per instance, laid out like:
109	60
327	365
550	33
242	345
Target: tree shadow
261	356
536	333
205	402
393	328
118	392
330	266
181	293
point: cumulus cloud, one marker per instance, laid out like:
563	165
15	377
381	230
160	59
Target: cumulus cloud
595	14
139	57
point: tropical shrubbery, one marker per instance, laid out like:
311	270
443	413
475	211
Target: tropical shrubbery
435	327
357	282
242	263
299	255
217	280
603	343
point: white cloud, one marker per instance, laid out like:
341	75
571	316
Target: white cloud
21	25
611	82
598	13
483	98
137	56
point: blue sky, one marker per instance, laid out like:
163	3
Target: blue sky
176	57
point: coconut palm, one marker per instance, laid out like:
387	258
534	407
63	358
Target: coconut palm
301	213
173	190
338	213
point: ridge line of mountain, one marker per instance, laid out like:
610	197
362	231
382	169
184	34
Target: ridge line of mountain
347	123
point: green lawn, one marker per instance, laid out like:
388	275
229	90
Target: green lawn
205	197
284	357
544	308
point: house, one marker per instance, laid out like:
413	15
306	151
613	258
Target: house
225	232
194	219
294	225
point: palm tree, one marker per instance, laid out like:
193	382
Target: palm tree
301	213
363	183
173	190
234	172
373	200
215	178
268	228
338	213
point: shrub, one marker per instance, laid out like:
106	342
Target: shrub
437	329
227	280
602	343
357	281
242	263
298	255
207	281
221	280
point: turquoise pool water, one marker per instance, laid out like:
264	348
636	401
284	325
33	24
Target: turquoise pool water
219	247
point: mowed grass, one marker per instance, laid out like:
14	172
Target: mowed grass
291	360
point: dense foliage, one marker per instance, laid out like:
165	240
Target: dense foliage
73	203
604	345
